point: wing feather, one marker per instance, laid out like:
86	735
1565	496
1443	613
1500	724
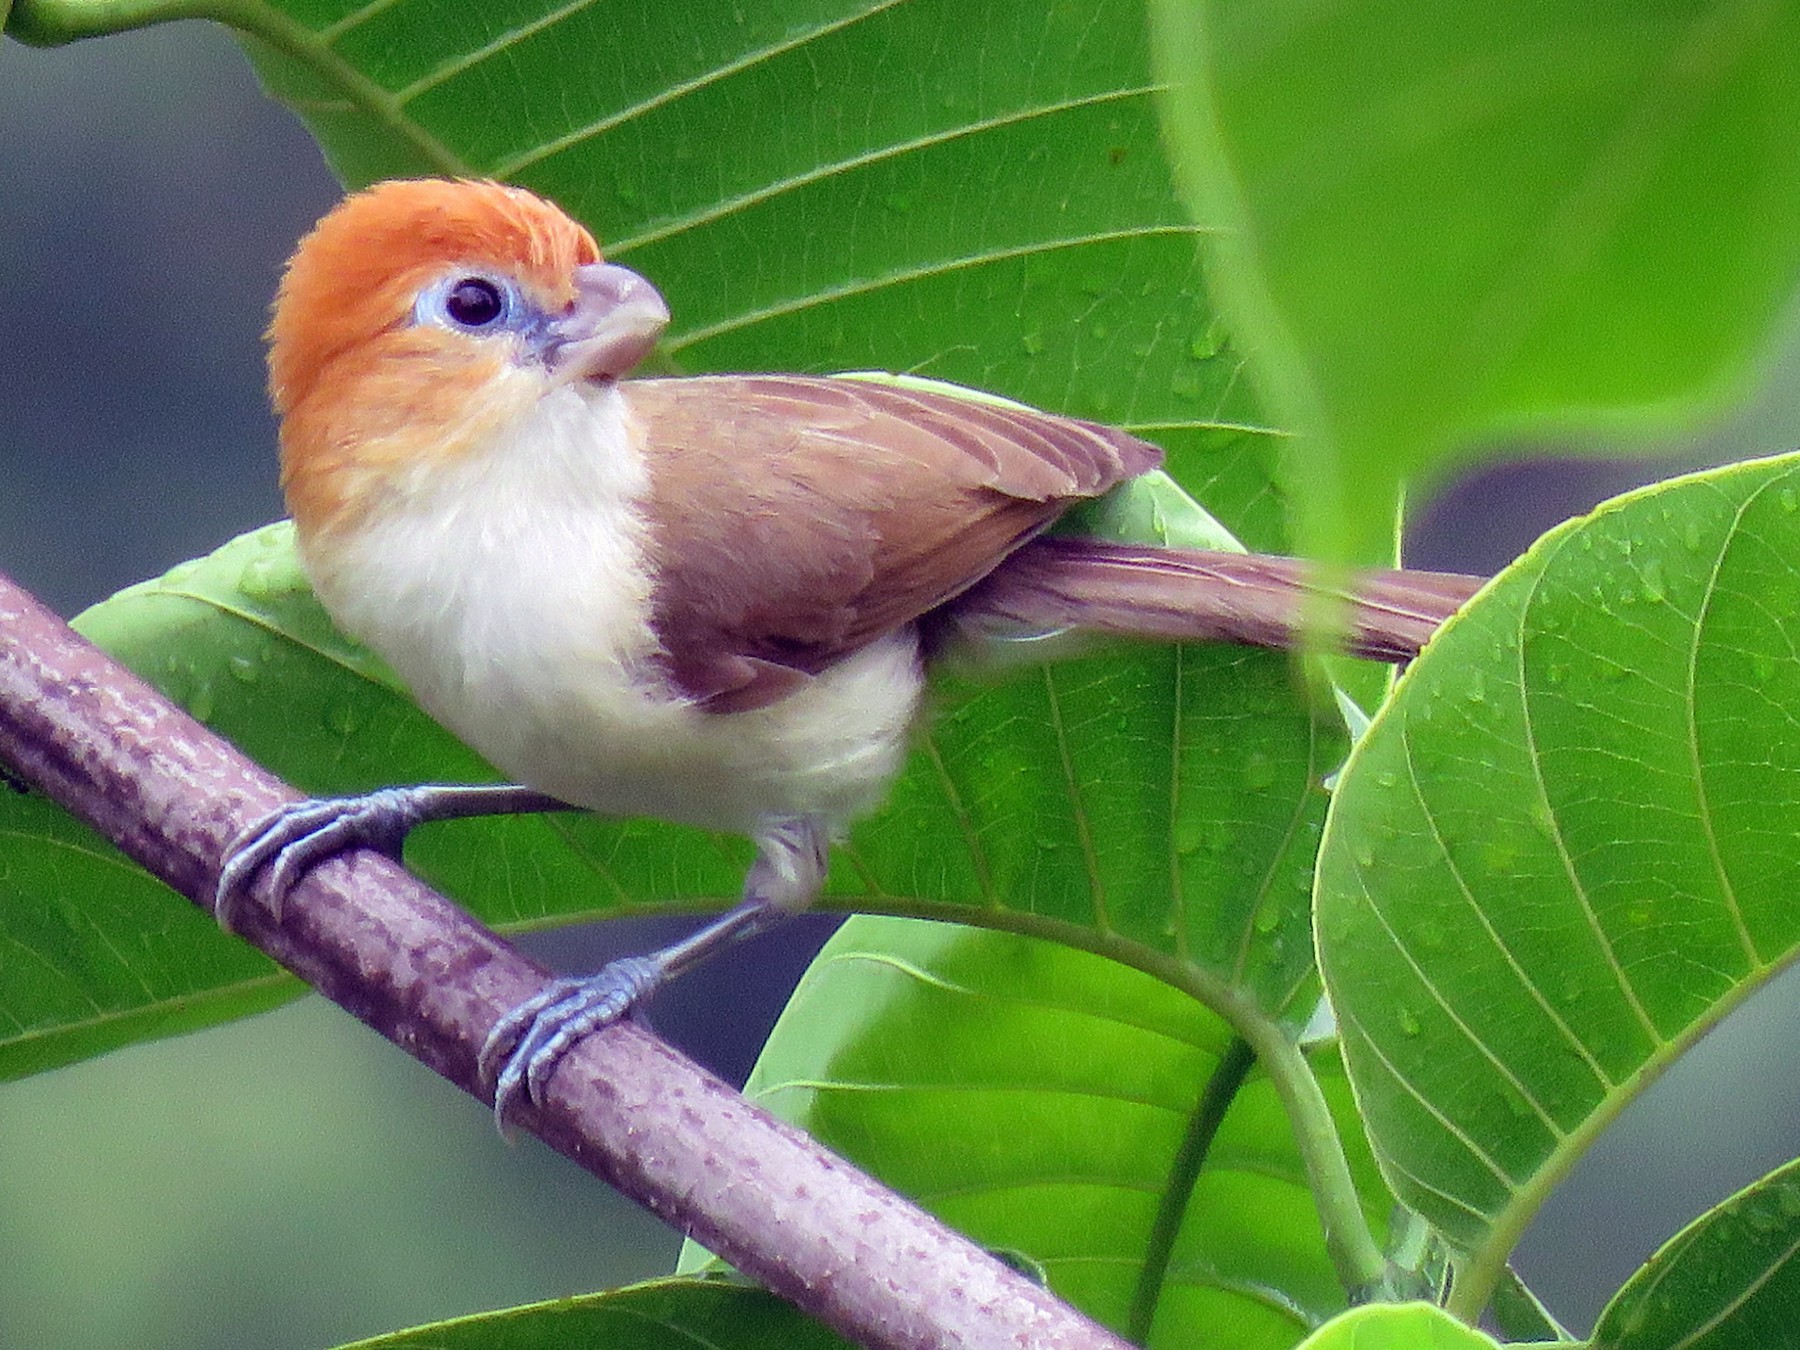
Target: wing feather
853	508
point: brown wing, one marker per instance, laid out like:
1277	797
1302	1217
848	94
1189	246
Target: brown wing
850	509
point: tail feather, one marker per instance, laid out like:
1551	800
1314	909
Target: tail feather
1186	595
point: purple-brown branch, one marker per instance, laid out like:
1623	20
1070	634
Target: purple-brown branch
365	933
85	731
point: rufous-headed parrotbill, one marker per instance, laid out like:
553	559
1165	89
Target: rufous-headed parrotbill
704	599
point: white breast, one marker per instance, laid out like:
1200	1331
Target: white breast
509	590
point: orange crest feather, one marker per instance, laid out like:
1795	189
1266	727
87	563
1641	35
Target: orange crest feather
347	370
355	274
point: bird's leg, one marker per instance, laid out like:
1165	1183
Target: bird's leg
523	1049
293	838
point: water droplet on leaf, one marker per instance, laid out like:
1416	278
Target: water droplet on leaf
1210	343
1259	772
257	579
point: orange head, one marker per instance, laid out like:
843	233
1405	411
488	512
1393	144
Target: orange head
419	317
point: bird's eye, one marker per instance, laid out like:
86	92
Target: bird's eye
474	302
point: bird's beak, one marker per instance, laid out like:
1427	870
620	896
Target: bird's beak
613	323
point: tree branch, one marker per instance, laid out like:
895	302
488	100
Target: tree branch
412	965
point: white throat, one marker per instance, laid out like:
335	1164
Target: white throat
523	551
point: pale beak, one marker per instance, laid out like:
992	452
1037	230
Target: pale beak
611	326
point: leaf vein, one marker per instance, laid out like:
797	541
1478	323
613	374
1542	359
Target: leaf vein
731	205
1553	825
1438	997
937	267
913	971
1275	860
1702	797
1513	963
1450	1127
984	875
748	60
1178	916
1083	830
475	56
1699	1333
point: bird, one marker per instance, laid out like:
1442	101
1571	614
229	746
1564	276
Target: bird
708	599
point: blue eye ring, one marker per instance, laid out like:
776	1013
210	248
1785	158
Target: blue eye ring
469	302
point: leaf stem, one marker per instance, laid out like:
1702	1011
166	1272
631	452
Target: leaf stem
1360	1265
1221	1090
52	23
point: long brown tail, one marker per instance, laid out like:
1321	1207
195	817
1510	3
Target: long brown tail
1190	596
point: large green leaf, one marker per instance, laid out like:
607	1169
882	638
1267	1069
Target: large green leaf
1567	846
1448	221
971	191
98	954
1105	1127
660	1315
1729	1281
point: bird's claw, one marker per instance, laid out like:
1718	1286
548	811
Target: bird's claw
296	836
525	1046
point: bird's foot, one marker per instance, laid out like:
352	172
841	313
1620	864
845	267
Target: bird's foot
523	1049
295	837
525	1046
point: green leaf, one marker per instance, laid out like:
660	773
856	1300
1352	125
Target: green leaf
1445	223
1053	1104
1729	1281
1519	1315
975	193
1567	846
1409	1326
99	954
659	1315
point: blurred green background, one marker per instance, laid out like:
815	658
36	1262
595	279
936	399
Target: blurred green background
294	1181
